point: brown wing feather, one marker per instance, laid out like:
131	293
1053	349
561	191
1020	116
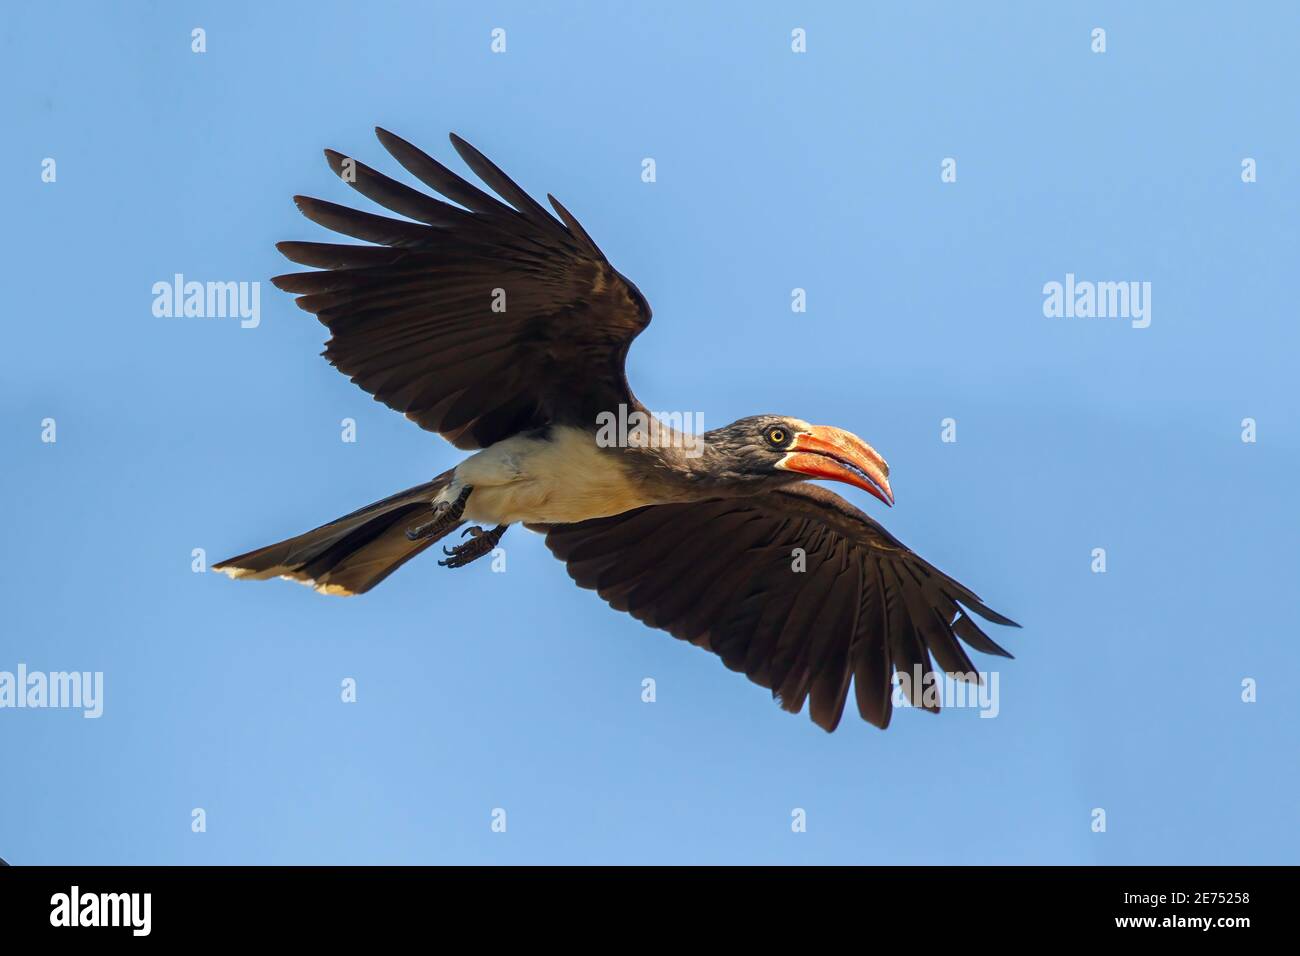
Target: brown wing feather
412	318
721	574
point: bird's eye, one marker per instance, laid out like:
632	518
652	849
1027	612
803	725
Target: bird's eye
776	436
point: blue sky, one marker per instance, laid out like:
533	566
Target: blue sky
775	170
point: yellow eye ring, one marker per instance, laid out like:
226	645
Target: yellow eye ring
776	436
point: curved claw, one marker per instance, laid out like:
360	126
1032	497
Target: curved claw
481	542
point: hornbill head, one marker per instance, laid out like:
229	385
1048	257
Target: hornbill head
785	450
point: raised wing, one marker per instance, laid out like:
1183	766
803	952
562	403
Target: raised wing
722	574
477	320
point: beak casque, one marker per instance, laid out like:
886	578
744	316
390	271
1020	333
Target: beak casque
837	455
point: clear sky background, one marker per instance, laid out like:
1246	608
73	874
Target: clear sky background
775	171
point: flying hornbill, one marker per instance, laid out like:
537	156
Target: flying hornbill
505	330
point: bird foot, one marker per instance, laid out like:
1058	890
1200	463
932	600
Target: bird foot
445	516
480	543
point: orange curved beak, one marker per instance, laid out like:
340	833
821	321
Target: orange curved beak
837	455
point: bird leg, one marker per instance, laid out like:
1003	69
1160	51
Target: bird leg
480	543
445	516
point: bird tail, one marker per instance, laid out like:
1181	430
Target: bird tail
352	554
